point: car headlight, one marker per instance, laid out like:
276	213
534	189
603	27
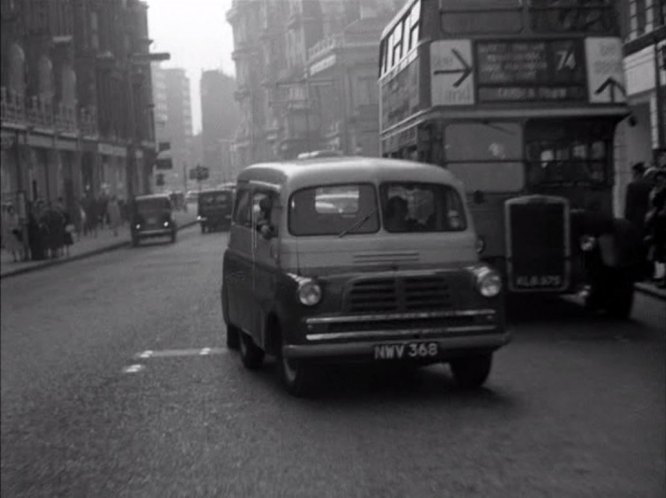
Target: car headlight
588	243
166	223
137	226
488	281
309	292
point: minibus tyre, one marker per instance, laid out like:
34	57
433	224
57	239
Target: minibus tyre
203	228
297	376
233	337
472	371
251	355
173	237
135	241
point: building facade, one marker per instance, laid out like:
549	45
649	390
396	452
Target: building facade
284	107
76	100
220	117
642	137
173	124
342	71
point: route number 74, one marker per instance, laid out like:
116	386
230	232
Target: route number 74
565	60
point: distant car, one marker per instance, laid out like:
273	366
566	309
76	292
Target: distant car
214	209
152	216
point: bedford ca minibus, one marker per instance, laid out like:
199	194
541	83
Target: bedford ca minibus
352	259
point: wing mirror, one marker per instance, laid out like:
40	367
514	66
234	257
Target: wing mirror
267	232
479	197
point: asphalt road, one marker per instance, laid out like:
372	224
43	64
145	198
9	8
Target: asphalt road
115	382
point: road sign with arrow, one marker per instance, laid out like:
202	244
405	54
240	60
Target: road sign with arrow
605	71
452	72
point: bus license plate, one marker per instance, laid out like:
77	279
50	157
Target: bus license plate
406	350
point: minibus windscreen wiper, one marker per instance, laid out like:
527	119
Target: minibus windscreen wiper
359	223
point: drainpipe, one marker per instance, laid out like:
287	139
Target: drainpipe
659	94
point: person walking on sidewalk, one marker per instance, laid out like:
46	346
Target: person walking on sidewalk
113	213
656	228
12	235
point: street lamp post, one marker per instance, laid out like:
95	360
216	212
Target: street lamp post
137	59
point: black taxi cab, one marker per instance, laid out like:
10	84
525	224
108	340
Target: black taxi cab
152	216
214	209
358	259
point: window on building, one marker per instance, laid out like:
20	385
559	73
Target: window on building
397	43
637	17
366	93
413	23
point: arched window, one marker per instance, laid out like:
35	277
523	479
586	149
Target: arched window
45	77
16	80
68	87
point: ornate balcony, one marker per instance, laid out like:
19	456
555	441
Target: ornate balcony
326	45
88	121
12	106
40	112
65	119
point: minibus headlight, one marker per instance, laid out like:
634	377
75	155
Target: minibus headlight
166	223
488	281
138	226
309	293
588	243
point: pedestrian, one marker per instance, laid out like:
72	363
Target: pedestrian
637	197
113	213
35	232
53	222
655	223
12	235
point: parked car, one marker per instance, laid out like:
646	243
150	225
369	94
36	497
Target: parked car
214	209
152	216
358	260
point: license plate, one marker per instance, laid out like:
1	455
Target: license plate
151	220
406	350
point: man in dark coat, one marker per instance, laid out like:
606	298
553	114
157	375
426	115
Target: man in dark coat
637	199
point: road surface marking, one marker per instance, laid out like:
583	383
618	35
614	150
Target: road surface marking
167	353
133	368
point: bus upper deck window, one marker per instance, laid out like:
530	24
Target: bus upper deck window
557	16
481	16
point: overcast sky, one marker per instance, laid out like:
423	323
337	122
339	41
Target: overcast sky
197	35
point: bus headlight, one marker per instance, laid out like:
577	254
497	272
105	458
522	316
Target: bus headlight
588	243
309	292
488	281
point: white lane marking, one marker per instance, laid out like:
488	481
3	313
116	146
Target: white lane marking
133	368
166	353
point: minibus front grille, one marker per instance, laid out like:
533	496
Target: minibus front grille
398	294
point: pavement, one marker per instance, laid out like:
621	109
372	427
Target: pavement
106	241
84	246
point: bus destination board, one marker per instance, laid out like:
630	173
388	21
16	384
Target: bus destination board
540	70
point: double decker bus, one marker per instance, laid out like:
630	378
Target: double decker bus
520	99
